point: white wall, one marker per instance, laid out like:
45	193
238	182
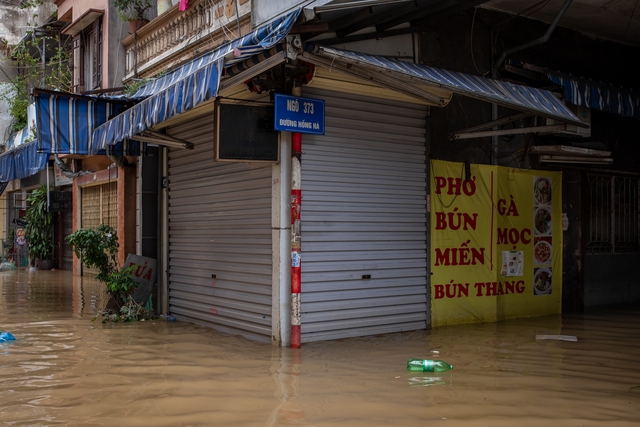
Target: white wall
265	10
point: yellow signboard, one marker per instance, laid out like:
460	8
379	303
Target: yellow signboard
496	243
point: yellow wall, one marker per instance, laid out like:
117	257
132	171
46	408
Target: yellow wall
480	229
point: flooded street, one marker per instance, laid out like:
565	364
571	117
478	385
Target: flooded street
63	369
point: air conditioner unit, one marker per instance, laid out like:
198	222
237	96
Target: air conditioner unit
584	114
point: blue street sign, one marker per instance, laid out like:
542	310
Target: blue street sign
303	115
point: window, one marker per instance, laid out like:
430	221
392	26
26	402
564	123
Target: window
612	211
87	58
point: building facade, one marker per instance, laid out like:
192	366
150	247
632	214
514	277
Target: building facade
294	236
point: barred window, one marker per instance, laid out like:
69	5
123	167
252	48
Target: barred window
612	212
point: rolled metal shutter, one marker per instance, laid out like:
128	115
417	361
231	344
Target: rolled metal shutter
219	217
364	219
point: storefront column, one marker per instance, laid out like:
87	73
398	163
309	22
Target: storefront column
296	247
281	241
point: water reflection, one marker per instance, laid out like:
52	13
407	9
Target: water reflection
65	369
285	370
427	380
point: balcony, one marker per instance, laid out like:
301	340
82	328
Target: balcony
176	37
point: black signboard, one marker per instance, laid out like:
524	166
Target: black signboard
60	201
244	132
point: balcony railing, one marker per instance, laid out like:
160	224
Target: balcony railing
175	36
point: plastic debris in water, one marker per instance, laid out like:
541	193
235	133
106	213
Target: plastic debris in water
6	336
426	365
8	266
557	337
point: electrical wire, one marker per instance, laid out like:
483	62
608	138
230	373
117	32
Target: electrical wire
473	59
488	146
438	194
537	10
224	28
542	4
630	18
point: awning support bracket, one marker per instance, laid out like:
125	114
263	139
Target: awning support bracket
494	123
251	72
516	131
162	139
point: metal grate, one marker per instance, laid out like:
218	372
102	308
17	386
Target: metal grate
99	206
613	214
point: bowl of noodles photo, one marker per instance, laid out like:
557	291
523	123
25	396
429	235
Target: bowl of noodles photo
542	281
542	221
542	191
542	252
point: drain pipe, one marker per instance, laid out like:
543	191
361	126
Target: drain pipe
495	65
537	41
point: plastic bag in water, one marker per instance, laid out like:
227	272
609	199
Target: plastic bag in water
8	266
6	336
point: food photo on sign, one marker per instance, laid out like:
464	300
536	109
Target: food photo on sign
542	283
542	190
542	221
542	250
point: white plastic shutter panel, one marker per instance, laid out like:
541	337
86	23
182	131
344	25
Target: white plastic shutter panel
364	213
220	250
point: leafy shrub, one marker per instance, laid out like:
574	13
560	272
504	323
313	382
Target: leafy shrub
39	228
98	248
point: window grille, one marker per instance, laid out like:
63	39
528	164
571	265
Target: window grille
612	211
99	206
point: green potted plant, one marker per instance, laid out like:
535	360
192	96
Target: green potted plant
98	248
39	228
133	11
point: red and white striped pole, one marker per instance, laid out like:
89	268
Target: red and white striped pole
296	241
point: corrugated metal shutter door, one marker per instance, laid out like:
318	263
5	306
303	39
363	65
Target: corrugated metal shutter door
220	261
364	213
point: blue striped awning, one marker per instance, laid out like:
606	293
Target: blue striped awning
21	137
65	122
189	85
22	161
522	98
7	167
597	95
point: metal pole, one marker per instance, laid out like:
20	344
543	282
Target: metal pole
238	19
164	233
44	60
296	247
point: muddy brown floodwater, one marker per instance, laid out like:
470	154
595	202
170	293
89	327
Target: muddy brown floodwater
66	370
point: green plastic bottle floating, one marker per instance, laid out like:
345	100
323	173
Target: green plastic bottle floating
426	365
